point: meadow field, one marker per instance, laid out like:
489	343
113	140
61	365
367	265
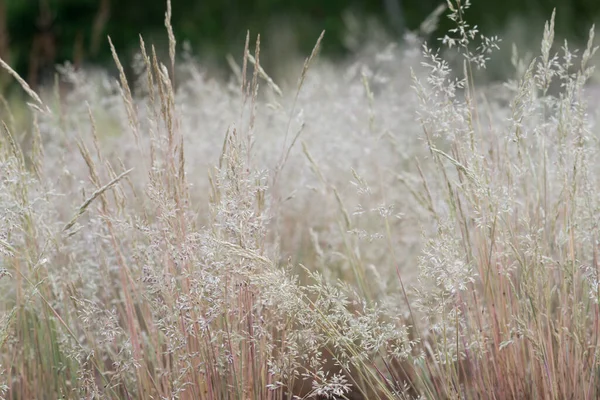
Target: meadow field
396	226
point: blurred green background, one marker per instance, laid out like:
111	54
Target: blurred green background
35	35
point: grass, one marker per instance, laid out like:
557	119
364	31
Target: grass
394	228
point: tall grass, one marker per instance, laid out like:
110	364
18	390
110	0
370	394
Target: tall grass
395	227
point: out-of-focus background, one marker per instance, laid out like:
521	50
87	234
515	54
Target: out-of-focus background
35	35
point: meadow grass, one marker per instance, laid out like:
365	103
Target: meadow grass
390	228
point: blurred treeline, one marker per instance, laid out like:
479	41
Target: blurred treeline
35	35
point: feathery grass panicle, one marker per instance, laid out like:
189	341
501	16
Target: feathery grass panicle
433	243
39	104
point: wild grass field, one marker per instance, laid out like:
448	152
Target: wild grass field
395	227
